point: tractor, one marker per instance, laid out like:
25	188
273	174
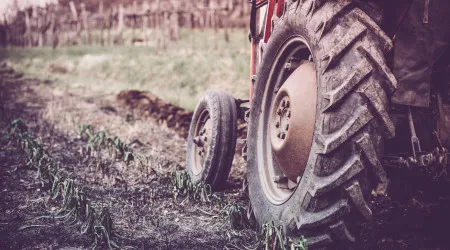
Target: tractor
339	90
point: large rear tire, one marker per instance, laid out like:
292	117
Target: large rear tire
354	86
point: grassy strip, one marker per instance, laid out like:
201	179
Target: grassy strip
190	66
74	207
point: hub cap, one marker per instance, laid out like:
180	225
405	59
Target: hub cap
287	120
292	121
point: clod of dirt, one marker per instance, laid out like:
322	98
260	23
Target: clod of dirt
108	110
147	105
62	68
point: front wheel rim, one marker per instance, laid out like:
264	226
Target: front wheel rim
200	139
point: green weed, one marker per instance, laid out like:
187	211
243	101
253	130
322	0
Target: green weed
184	187
73	206
117	149
274	237
238	216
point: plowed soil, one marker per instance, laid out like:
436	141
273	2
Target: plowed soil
415	215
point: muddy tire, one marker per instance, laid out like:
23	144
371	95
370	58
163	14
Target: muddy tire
212	139
354	86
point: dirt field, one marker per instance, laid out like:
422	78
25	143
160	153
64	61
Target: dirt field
144	212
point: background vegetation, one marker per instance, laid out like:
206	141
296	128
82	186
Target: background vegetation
178	72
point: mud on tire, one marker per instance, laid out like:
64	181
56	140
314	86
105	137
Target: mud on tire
354	88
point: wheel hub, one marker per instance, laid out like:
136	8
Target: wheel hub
292	121
201	141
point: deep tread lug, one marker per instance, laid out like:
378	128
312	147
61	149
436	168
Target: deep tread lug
362	70
355	193
318	241
370	92
330	142
378	60
354	32
311	219
324	184
368	150
386	42
340	230
327	23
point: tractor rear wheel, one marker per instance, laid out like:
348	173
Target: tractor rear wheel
317	121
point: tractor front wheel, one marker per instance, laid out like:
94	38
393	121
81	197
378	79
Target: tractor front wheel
212	139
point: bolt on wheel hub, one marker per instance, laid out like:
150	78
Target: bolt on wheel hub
292	121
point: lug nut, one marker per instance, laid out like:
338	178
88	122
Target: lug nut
197	141
283	103
283	135
279	112
205	139
277	125
286	127
287	104
289	114
279	135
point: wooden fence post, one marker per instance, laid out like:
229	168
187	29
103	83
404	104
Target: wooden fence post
175	21
120	25
40	26
134	22
76	21
160	19
28	40
84	19
145	19
166	23
111	13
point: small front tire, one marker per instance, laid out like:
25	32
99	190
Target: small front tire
212	139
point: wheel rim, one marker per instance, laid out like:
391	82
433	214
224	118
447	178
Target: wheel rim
286	124
201	140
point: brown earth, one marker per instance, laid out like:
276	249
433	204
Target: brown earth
145	104
415	215
148	105
145	214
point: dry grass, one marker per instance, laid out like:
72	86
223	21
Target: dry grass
179	74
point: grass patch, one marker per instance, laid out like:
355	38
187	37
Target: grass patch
180	73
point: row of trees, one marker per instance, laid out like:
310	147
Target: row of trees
78	22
